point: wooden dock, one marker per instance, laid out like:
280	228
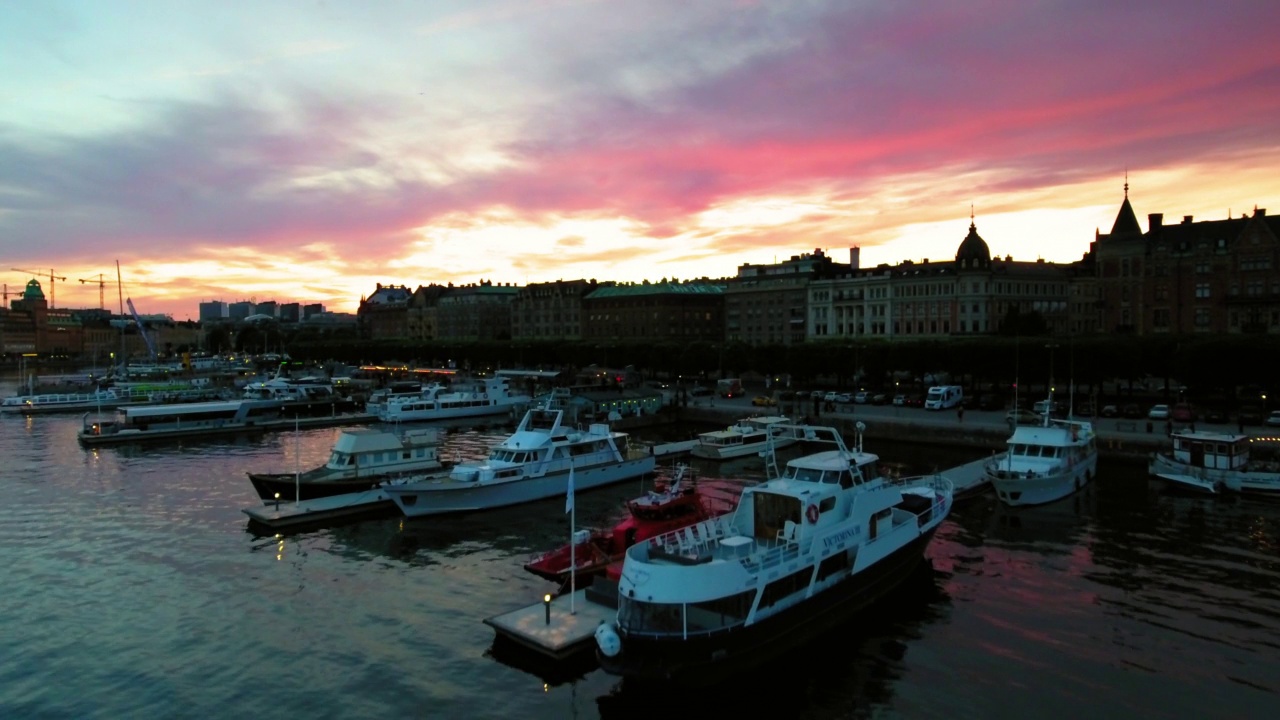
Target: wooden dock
569	632
350	506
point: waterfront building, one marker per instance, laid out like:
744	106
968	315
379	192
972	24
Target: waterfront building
550	311
422	317
1214	277
478	312
383	314
681	312
213	311
767	304
29	325
240	310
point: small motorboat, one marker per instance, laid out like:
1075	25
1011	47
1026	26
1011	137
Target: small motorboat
671	504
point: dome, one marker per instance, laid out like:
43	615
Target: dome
973	250
33	291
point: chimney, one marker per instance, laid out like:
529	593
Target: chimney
1259	212
1186	219
1155	221
854	258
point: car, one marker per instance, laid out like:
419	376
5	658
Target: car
763	401
862	398
1110	411
915	400
1182	412
1158	412
831	396
879	399
1131	411
899	400
1023	417
843	397
699	391
817	394
1273	420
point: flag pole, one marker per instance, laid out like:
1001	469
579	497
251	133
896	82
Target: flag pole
573	546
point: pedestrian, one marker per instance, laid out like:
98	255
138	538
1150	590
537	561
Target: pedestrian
960	413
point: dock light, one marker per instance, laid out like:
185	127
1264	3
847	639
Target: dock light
277	501
546	600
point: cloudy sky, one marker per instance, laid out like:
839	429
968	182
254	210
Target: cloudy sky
306	150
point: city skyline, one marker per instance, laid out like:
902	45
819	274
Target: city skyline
305	153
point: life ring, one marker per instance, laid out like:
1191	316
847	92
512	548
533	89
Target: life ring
811	513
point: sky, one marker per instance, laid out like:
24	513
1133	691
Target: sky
304	151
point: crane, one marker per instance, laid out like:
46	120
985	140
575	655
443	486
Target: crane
39	274
142	330
102	286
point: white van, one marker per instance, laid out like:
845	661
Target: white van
942	397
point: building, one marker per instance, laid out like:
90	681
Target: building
214	311
768	304
550	311
29	325
480	312
1214	276
656	312
384	314
422	312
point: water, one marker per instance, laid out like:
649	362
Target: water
132	588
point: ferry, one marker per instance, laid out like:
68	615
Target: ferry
145	422
802	553
436	402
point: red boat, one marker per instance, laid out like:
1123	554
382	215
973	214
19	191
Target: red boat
670	505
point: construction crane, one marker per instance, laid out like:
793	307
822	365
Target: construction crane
49	275
142	330
102	287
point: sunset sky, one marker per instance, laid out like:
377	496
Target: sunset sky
304	151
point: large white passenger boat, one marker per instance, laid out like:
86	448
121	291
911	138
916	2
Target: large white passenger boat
436	402
1210	462
1045	462
143	422
748	436
801	553
360	459
534	463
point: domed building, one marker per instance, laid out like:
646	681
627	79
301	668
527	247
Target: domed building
29	325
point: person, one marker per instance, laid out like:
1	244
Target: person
960	413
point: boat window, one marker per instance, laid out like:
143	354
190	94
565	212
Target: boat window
827	504
867	471
833	565
807	474
846	479
720	613
649	618
785	587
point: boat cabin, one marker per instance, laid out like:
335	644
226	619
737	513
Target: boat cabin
1216	451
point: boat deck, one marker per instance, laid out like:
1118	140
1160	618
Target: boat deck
560	631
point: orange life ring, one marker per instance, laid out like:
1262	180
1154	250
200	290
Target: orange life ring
812	513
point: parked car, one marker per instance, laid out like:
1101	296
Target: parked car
1110	411
1023	417
817	394
915	400
862	397
879	399
843	398
1158	412
900	399
831	396
1182	412
1273	420
763	401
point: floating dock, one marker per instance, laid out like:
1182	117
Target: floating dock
559	632
969	479
349	506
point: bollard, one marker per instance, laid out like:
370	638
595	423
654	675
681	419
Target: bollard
546	600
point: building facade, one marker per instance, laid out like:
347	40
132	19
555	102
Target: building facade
550	311
666	311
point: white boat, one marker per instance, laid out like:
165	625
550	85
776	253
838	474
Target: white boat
379	398
1044	462
105	398
360	459
534	463
1210	462
801	554
436	402
748	436
144	422
279	388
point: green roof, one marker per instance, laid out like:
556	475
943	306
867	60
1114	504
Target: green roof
667	288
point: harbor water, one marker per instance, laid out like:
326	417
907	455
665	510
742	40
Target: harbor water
133	587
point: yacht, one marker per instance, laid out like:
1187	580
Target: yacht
436	402
360	459
535	462
1044	462
748	436
801	554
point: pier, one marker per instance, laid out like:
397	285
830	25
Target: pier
562	627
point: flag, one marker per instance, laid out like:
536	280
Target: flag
568	500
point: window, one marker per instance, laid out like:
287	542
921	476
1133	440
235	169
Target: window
1202	290
1202	317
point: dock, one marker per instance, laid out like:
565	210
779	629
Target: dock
680	447
350	506
969	479
560	635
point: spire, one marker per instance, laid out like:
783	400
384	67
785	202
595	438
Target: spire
1126	221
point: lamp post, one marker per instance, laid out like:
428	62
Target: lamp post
546	600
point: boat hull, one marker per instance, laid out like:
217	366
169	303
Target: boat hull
1021	491
1255	482
444	496
269	484
714	658
728	452
449	413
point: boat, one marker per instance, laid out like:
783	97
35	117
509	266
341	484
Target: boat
360	459
1210	462
140	422
533	463
748	436
801	553
670	505
1044	462
437	402
105	398
378	399
308	389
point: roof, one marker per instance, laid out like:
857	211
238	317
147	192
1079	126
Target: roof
662	288
1126	221
973	248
